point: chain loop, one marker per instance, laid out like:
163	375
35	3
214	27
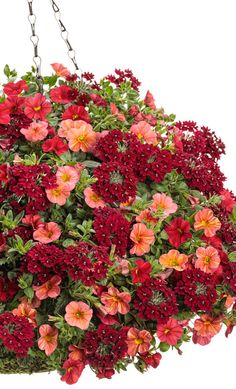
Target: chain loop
64	35
34	39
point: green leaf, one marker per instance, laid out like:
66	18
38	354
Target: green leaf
29	293
7	71
232	256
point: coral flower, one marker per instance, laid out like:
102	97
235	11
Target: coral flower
81	136
60	70
92	199
138	341
116	301
142	238
163	205
174	260
208	259
115	112
142	272
74	369
67	176
76	353
207	325
66	126
48	339
25	309
146	216
55	145
149	100
50	288
178	231
206	220
33	221
37	107
228	202
58	195
78	314
144	131
48	233
170	332
36	131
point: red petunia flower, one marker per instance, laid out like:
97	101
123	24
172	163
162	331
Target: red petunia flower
63	94
178	231
74	369
37	107
4	113
76	112
15	88
141	272
55	145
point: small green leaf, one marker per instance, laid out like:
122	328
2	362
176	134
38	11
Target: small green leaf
232	256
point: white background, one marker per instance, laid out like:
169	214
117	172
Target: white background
184	52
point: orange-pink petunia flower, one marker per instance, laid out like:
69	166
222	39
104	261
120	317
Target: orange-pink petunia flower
207	325
58	195
48	233
92	199
206	220
50	288
142	237
170	332
78	314
208	259
146	216
76	353
163	205
48	339
144	131
36	131
26	309
67	176
115	112
138	341
60	70
174	260
79	134
116	301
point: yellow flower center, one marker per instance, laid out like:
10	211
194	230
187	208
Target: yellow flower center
37	108
138	341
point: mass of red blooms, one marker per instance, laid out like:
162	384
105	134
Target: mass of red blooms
117	233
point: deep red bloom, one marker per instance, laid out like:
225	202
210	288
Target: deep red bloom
3	173
228	201
98	100
10	133
178	231
8	288
74	369
15	88
152	360
55	145
76	112
141	272
63	94
37	107
105	373
4	113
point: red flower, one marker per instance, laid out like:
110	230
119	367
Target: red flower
76	112
55	145
37	107
4	113
152	360
178	231
141	272
98	100
3	173
63	94
74	369
170	332
149	100
8	288
15	88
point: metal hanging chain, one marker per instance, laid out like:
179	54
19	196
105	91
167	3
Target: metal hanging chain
64	35
34	39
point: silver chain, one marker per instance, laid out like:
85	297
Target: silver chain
34	39
64	35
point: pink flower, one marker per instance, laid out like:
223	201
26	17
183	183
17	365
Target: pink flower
92	199
36	131
206	220
163	205
25	309
170	332
48	339
138	341
144	131
60	70
58	195
208	259
37	107
115	112
116	301
48	289
67	176
142	238
228	202
48	233
78	314
33	221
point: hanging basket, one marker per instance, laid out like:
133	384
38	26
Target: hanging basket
117	235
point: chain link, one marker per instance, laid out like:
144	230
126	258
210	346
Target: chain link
64	35
34	39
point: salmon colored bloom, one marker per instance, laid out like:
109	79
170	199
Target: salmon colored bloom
163	205
50	288
74	369
58	195
37	107
146	216
78	314
76	353
142	238
67	176
48	233
206	220
174	260
48	339
122	266
207	325
116	301
65	128
144	132
60	70
170	332
33	221
138	341
208	259
36	131
230	300
115	112
92	199
26	309
81	136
